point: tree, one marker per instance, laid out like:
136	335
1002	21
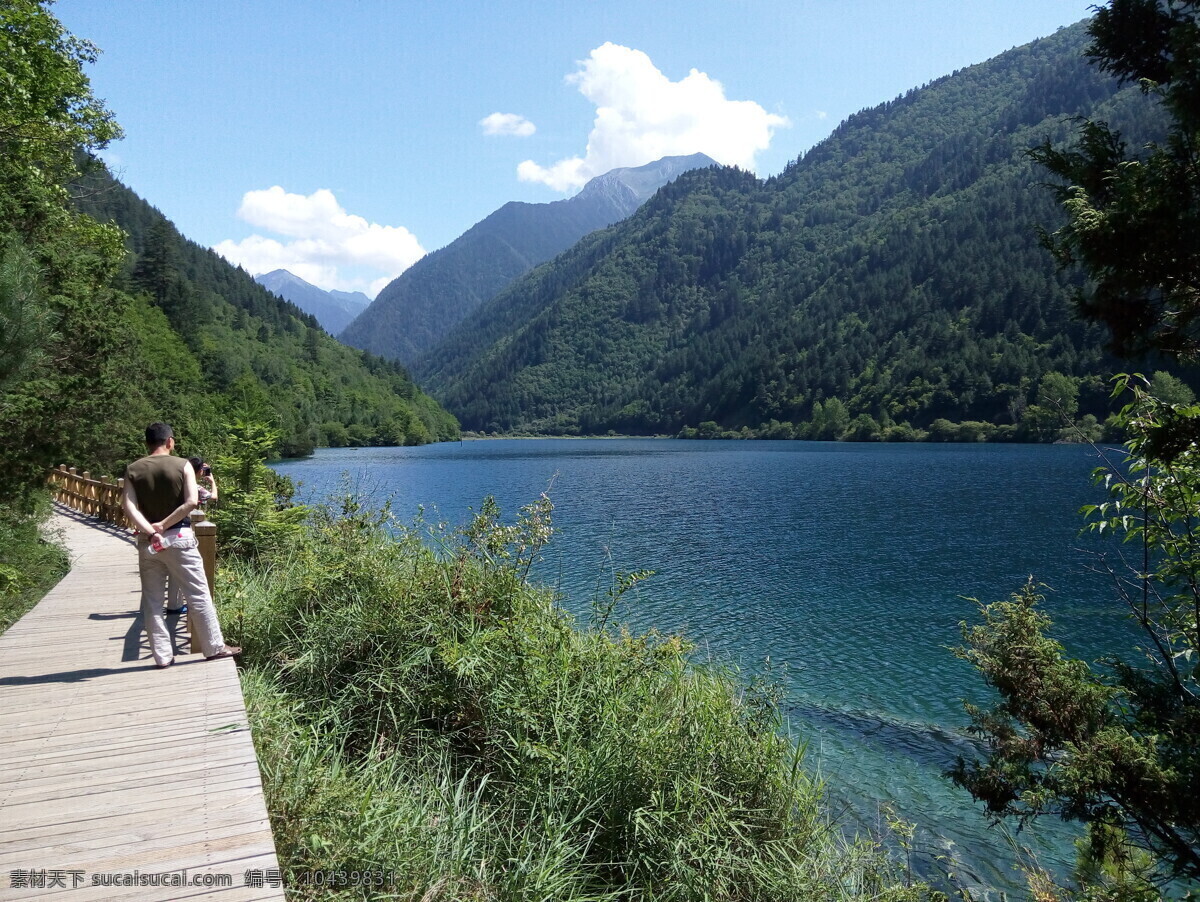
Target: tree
157	267
1134	221
57	308
1171	389
863	428
1060	393
256	515
1114	745
48	115
24	320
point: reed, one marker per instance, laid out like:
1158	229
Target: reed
424	712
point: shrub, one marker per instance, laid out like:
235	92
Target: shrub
255	514
29	564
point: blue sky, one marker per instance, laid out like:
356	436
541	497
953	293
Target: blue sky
342	139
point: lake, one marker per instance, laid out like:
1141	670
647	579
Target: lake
847	566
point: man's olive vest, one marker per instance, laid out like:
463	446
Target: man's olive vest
158	484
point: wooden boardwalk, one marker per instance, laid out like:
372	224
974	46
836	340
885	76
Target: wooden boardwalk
112	771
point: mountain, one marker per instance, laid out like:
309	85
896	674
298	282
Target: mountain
355	302
334	310
419	307
215	340
890	283
624	190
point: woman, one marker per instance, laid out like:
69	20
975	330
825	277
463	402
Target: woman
204	474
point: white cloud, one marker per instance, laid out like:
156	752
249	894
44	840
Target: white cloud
329	248
641	115
563	175
507	124
376	286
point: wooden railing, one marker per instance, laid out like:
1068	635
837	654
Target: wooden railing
101	498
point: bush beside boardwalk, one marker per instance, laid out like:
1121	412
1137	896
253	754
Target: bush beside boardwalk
30	563
428	720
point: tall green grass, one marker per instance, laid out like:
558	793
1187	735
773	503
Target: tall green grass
31	563
421	710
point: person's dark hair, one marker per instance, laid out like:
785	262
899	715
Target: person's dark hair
197	464
157	434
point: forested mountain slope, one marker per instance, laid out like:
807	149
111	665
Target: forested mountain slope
233	337
889	281
418	308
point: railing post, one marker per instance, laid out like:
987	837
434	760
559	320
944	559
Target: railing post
73	488
206	538
88	504
58	479
122	518
108	502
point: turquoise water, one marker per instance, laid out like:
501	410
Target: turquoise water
848	567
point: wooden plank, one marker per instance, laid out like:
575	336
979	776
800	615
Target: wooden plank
114	767
229	777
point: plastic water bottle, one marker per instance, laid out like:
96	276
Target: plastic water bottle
161	541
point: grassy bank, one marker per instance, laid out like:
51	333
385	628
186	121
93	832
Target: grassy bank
426	717
30	563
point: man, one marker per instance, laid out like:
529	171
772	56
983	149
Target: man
160	491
